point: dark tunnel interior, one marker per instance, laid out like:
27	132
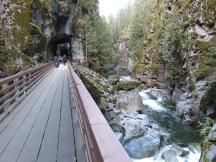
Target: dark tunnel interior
60	46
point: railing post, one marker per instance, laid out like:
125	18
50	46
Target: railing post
13	87
21	81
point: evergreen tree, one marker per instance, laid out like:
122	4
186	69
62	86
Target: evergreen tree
99	44
137	30
121	22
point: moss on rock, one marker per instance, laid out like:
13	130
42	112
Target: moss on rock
127	85
95	83
207	58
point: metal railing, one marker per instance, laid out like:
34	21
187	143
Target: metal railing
100	142
13	87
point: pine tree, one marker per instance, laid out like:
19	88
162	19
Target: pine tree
99	45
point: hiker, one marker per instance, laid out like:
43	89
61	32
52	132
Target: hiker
56	62
64	59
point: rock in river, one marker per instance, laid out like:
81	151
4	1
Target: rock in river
135	128
145	146
212	154
130	101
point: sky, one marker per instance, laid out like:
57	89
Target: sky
111	7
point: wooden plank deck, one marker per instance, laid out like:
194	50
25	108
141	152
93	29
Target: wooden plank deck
44	126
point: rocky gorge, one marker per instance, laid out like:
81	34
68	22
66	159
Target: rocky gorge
158	96
170	91
148	130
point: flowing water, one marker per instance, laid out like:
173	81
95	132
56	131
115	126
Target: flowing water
179	132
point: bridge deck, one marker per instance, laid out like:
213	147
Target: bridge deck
44	127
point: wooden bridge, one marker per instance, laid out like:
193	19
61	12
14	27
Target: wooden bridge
47	115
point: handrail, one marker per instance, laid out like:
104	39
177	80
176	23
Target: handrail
100	141
16	85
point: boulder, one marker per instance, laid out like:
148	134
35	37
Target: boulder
212	154
130	101
135	128
145	146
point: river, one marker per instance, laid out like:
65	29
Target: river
179	132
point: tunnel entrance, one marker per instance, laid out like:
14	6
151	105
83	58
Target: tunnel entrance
64	49
60	46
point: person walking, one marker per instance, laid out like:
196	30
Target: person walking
56	62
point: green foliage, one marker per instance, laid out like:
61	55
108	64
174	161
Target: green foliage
206	127
88	6
171	48
16	36
44	4
99	45
127	85
22	29
145	37
120	22
38	28
137	30
206	61
170	104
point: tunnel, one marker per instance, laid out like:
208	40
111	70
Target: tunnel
60	42
60	46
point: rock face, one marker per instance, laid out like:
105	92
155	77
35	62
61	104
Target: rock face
130	101
123	56
15	35
33	29
77	49
144	131
97	85
185	69
178	54
59	25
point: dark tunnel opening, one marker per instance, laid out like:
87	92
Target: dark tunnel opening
60	46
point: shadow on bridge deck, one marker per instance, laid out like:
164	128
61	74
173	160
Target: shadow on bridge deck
44	126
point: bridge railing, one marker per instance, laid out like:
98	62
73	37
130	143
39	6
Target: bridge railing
13	87
100	141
